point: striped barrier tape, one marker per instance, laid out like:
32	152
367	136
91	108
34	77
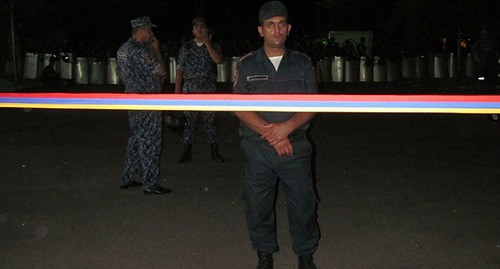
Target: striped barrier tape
471	104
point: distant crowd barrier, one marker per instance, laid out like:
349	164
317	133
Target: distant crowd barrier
225	70
81	70
90	70
379	69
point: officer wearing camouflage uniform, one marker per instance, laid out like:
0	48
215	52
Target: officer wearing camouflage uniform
197	73
275	144
141	69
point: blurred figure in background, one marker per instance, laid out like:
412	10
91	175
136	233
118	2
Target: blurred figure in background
486	53
50	76
361	47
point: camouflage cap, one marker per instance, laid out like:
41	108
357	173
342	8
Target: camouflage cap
145	20
197	20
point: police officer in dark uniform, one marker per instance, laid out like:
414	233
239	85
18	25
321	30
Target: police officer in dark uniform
275	143
141	69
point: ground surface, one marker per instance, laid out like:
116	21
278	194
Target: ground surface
396	191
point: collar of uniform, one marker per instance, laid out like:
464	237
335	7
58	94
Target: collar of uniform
194	44
137	41
261	55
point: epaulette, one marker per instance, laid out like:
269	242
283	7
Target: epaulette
301	54
247	55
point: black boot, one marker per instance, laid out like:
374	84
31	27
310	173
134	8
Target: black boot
215	153
186	155
306	262
265	260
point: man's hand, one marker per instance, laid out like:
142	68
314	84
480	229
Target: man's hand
255	122
284	148
155	43
204	36
276	132
161	72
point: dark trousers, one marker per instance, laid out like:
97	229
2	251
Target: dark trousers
144	147
263	167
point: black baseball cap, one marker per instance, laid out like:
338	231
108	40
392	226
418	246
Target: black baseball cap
272	9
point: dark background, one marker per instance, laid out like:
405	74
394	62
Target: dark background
101	25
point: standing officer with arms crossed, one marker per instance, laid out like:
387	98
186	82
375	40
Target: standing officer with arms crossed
275	143
141	69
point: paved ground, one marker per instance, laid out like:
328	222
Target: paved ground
396	191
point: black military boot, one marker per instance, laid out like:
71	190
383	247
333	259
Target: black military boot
215	153
306	262
186	155
265	260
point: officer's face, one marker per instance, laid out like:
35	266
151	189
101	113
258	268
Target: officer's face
147	34
199	28
274	31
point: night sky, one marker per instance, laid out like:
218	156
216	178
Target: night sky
108	20
97	23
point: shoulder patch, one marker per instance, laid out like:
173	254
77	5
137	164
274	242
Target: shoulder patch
121	55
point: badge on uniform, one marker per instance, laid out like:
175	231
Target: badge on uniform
257	78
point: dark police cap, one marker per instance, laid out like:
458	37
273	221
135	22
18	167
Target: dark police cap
272	9
145	20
